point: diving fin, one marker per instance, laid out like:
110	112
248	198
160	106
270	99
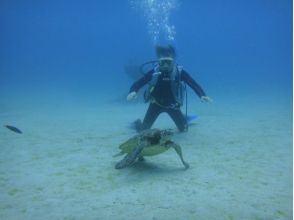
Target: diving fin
190	118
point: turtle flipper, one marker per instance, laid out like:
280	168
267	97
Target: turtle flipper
130	157
178	149
119	154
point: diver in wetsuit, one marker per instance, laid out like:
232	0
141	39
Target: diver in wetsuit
165	92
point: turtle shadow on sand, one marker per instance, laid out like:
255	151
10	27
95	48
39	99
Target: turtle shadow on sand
147	143
154	168
145	171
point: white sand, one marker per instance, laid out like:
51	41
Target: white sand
61	167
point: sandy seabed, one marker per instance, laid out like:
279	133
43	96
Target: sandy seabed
61	167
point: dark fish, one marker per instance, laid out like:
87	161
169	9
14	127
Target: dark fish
12	128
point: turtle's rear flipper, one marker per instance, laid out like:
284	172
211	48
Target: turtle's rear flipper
178	149
130	157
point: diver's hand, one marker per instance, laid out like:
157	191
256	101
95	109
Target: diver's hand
206	99
131	96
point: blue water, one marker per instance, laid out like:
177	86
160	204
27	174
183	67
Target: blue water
244	44
63	83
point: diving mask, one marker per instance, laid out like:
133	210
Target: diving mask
166	64
166	61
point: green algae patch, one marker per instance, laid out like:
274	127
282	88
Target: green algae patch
5	206
13	192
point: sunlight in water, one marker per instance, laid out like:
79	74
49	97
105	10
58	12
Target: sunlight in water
157	14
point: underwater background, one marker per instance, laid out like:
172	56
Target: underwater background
75	46
64	82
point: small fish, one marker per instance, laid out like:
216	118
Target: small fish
12	128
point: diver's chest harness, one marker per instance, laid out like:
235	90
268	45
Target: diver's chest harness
176	85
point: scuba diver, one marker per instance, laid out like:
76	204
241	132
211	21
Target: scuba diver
166	90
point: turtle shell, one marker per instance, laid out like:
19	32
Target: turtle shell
153	138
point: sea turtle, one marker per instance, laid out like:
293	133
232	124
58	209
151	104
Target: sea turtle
147	143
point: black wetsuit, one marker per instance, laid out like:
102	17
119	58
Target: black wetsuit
164	100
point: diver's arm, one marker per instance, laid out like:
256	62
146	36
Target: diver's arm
192	83
141	82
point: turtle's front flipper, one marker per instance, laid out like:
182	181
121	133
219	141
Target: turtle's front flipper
130	157
178	149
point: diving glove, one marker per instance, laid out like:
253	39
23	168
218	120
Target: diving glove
206	99
131	96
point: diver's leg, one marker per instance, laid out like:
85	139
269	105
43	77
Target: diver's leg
178	118
151	115
137	125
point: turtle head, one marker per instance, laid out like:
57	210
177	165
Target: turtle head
167	133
